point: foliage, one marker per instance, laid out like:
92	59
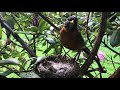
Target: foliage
44	39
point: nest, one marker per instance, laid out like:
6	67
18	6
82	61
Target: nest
57	67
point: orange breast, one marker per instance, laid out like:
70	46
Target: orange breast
70	40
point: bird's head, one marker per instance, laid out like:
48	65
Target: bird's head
71	23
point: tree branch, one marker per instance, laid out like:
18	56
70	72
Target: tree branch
110	48
116	74
98	40
87	29
47	20
9	29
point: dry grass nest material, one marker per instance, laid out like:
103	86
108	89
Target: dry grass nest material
57	67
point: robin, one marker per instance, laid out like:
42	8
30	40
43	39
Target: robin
70	36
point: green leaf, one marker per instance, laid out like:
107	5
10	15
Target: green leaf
15	54
5	56
43	25
109	31
11	22
0	31
44	43
48	49
6	73
29	75
115	38
115	55
9	61
32	28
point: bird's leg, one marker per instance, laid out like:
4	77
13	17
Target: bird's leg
77	56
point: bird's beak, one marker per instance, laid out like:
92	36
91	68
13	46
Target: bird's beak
72	21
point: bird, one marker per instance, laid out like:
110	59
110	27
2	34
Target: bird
70	36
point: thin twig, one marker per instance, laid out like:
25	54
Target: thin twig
47	20
96	75
112	16
95	69
87	29
90	75
100	75
34	44
16	44
113	63
110	48
19	26
36	36
66	53
76	14
3	48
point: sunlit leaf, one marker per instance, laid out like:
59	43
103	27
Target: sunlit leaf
43	25
48	49
32	28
